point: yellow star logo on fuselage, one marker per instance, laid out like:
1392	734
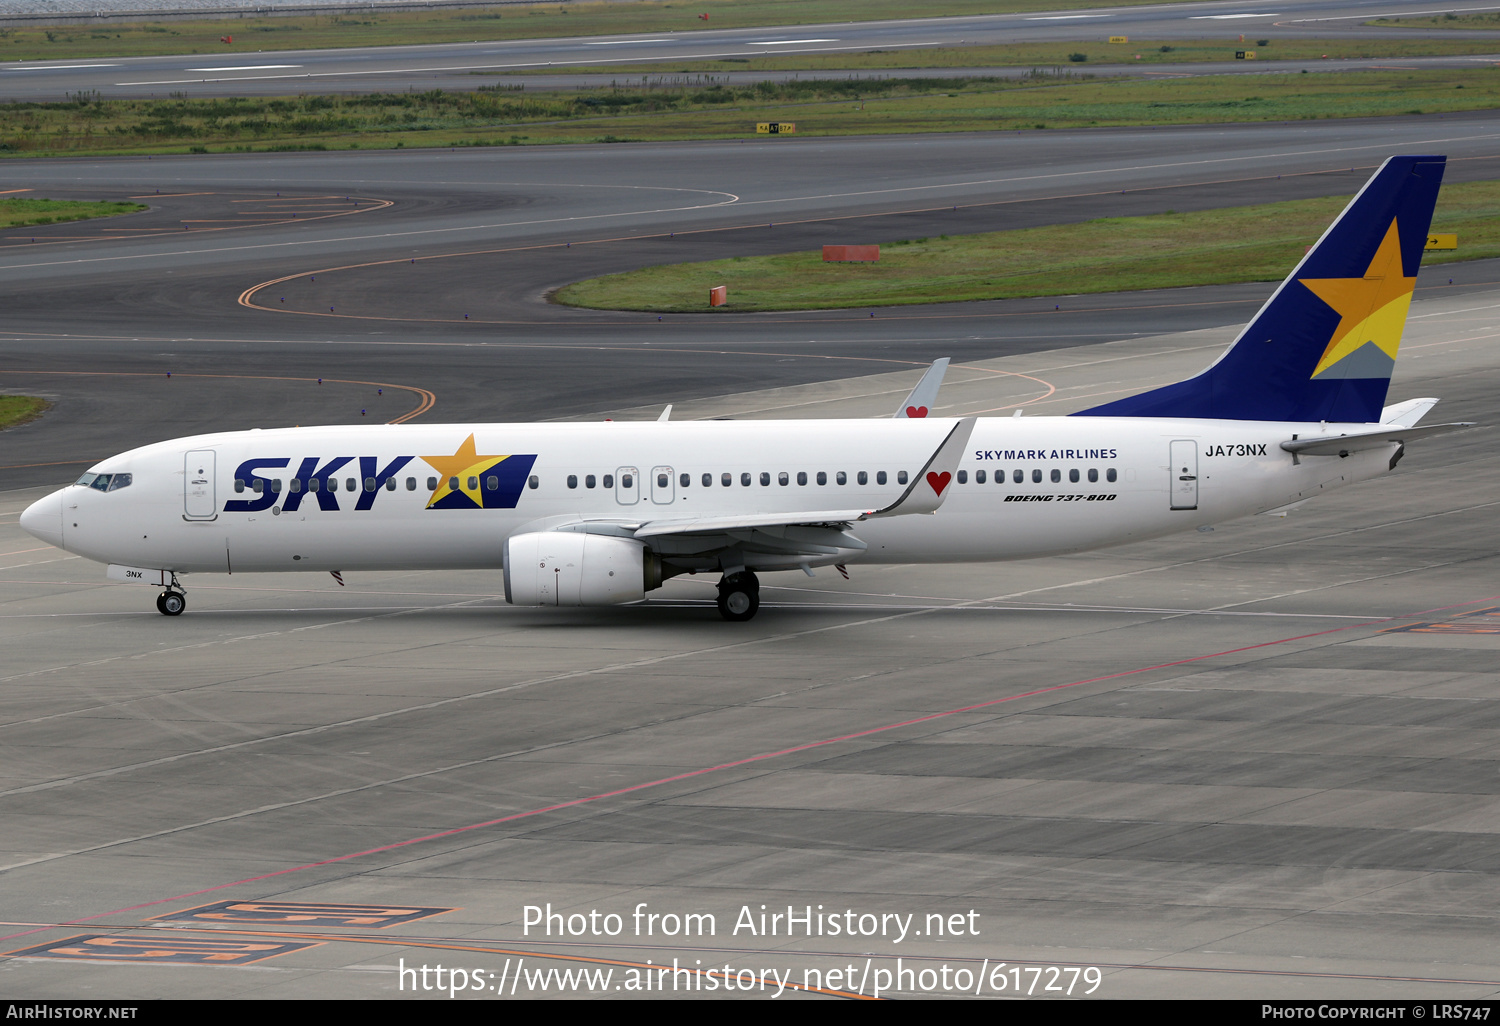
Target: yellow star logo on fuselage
1372	309
465	467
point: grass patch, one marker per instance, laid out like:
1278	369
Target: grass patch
505	116
18	409
21	213
1215	247
253	33
1447	21
1026	55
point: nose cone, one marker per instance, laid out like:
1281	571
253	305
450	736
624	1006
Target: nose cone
43	519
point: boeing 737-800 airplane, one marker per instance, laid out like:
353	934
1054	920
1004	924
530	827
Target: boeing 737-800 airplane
595	514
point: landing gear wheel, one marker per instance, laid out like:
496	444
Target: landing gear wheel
739	597
171	603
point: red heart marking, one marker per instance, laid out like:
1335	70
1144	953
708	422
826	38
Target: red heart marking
939	481
916	411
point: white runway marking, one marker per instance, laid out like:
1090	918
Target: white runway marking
247	67
62	67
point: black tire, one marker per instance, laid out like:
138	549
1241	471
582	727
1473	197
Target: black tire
171	603
739	597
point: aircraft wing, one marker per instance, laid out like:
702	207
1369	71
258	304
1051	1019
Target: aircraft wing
926	492
719	525
1343	445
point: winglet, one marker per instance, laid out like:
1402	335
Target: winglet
665	414
930	486
924	396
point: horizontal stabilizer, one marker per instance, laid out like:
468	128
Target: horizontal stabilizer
1343	445
1408	413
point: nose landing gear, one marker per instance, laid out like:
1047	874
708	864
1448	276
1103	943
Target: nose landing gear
172	601
739	596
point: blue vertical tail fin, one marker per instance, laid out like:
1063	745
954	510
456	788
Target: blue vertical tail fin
1324	345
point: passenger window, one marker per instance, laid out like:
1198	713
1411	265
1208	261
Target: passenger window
863	478
473	484
626	481
369	484
1056	476
783	479
1109	475
726	480
314	485
453	484
1073	476
431	484
390	484
901	477
1093	475
880	477
1019	476
1036	476
662	480
745	480
572	480
294	485
685	480
979	477
802	477
534	482
609	480
963	477
120	481
350	484
411	484
841	477
765	478
239	484
708	480
822	477
589	481
259	484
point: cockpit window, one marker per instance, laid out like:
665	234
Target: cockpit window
105	482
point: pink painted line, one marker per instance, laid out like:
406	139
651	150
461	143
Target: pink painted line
739	762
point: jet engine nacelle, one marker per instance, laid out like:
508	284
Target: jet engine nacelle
566	568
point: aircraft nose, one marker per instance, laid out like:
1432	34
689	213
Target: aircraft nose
43	519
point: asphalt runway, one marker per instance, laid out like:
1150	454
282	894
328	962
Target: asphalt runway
1258	762
240	72
405	245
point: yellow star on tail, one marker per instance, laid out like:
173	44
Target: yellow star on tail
1371	308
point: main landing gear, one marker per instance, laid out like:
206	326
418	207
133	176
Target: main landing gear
739	596
172	601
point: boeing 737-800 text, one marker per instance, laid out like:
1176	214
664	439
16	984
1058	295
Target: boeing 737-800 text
595	514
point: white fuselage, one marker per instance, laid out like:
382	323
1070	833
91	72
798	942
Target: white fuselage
1086	482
